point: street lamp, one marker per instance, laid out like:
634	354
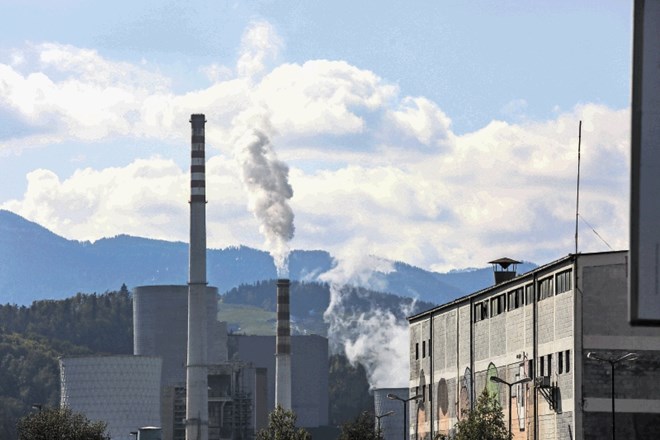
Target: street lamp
378	417
510	385
626	357
405	409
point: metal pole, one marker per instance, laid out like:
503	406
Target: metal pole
613	416
510	409
405	419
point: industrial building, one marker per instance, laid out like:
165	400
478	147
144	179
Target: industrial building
241	369
541	325
309	372
160	328
121	390
191	389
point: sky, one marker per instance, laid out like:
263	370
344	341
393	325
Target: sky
439	133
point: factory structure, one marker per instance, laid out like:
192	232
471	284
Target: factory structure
183	381
558	344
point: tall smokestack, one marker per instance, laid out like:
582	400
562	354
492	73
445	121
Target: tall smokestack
197	412
283	347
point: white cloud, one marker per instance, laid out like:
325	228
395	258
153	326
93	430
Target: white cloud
260	44
364	161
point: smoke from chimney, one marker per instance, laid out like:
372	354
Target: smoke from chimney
197	417
266	181
375	338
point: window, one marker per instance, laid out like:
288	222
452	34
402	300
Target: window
549	365
477	312
541	366
520	297
423	349
430	393
529	294
564	281
530	368
560	362
515	298
511	300
568	361
429	347
497	305
423	393
545	289
481	311
416	350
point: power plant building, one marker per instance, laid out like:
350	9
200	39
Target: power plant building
538	329
309	372
123	391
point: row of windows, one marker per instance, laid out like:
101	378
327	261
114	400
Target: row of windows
563	363
518	297
424	349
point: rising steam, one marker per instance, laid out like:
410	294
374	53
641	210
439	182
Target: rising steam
266	181
376	338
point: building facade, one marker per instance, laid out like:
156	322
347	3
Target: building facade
540	325
121	390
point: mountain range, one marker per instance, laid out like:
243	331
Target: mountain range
37	264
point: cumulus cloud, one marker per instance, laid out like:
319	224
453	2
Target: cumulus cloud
365	160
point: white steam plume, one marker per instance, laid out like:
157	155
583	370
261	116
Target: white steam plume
266	181
375	338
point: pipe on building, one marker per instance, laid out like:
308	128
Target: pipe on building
283	347
197	415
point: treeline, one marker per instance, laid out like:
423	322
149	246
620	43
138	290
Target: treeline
312	299
33	338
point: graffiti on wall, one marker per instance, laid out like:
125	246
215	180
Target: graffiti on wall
422	425
443	407
465	395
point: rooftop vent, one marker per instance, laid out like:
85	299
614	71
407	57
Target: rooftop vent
504	269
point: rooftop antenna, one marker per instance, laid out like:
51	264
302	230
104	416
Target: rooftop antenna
577	202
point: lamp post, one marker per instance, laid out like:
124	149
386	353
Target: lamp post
378	417
613	362
405	409
510	385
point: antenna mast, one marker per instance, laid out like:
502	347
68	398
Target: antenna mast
577	202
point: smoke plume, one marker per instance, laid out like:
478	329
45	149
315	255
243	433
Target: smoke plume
266	181
375	338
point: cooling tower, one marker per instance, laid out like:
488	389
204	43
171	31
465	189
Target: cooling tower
160	328
283	347
123	391
197	413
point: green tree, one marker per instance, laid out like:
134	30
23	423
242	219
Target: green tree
60	424
360	428
282	426
485	422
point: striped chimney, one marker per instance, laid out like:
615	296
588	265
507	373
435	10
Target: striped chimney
197	417
283	347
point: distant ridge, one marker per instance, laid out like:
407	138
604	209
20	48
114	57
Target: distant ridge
35	263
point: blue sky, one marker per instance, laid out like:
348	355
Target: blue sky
438	133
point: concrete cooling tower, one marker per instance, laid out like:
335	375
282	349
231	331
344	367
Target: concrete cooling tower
160	328
123	391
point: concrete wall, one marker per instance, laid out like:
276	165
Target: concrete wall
309	358
606	333
123	391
